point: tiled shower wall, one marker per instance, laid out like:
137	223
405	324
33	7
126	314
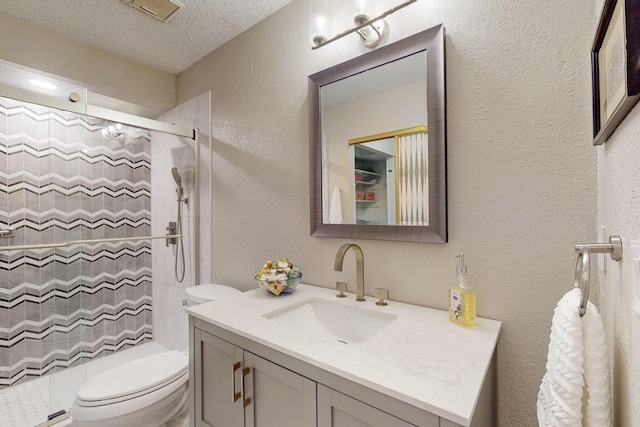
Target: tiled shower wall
62	179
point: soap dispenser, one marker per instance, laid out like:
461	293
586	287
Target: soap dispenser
462	299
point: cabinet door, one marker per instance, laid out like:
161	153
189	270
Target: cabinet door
217	382
339	410
278	397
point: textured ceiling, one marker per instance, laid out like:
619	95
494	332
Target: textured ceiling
191	33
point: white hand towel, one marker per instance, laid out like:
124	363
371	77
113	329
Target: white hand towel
596	370
576	361
560	395
335	207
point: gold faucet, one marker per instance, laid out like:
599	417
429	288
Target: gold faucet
337	266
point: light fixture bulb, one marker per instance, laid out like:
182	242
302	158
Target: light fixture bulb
113	131
361	11
320	34
320	16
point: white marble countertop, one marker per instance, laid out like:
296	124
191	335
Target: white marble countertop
420	358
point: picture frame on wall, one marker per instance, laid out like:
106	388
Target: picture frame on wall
615	66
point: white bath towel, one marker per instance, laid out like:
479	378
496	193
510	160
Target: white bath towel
335	207
576	389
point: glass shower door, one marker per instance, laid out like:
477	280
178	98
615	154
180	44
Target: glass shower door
69	177
69	190
45	308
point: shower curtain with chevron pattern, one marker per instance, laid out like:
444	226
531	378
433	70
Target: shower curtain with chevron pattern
62	179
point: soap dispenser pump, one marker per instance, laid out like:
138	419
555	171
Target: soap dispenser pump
462	298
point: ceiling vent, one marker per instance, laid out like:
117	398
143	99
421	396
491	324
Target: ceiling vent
159	9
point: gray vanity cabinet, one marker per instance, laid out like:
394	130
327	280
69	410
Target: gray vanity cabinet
339	410
216	401
279	397
231	386
235	388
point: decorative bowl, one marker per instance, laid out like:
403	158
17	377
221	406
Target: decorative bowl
279	287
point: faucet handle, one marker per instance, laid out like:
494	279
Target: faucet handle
341	287
381	294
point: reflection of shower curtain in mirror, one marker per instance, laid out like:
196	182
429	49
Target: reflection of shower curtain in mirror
413	180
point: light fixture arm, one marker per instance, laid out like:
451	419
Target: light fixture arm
364	24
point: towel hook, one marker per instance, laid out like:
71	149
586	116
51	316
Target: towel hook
582	277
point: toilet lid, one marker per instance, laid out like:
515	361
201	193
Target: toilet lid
134	377
210	292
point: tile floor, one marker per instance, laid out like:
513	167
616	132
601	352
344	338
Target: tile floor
28	404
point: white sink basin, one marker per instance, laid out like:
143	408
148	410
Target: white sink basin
344	323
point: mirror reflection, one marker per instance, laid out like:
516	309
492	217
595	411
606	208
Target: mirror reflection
374	128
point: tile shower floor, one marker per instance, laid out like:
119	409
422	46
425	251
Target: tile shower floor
28	404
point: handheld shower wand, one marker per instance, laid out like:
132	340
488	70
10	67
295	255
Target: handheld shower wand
180	248
178	179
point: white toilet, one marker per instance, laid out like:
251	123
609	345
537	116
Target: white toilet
146	392
209	292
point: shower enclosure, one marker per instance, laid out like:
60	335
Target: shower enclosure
86	195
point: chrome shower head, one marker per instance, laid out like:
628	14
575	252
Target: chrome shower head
176	176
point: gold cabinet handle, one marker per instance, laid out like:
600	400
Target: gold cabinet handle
235	367
246	401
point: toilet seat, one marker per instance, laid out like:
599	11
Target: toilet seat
134	379
210	292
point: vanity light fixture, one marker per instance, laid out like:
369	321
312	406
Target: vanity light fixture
371	30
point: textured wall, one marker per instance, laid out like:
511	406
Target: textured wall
618	207
619	212
61	179
521	169
101	72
